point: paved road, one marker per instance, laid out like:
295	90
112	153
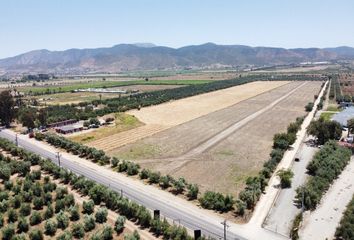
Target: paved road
283	212
170	206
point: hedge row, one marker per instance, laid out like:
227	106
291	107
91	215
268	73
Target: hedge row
345	230
256	185
324	168
103	195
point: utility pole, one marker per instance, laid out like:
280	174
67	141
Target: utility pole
225	227
16	139
58	156
302	200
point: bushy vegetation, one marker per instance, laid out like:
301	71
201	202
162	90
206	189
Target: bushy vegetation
324	130
216	201
324	168
112	200
345	230
256	185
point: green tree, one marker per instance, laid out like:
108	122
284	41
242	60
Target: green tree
22	225
62	220
193	191
36	234
35	218
50	227
119	224
285	177
7	108
88	207
77	230
12	215
74	213
8	232
324	130
89	222
101	215
107	232
65	236
25	209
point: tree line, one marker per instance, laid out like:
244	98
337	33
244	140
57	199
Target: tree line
323	169
102	195
345	230
86	110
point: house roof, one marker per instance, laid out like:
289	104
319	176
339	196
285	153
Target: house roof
343	116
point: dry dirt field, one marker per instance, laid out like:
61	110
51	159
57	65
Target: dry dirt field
161	117
224	166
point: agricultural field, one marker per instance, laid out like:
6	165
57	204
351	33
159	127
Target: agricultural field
40	90
77	97
163	116
36	206
234	157
346	81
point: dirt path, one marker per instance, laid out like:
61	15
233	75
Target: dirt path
267	200
322	223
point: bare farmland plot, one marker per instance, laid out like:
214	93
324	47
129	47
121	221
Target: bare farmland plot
161	117
225	166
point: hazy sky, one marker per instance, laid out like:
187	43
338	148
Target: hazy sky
61	24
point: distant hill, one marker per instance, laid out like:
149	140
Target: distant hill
147	56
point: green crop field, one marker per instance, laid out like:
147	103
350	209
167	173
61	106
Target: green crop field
107	84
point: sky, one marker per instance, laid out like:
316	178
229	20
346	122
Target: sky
27	25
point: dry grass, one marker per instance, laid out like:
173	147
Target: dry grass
225	166
123	122
161	117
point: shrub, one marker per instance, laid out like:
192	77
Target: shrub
12	215
119	224
193	191
74	213
216	201
65	236
22	225
50	227
62	220
25	209
89	222
38	203
8	232
101	215
77	230
88	207
36	234
107	232
35	218
285	177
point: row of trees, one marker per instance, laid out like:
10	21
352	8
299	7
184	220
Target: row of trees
33	200
256	185
85	110
325	166
103	195
345	230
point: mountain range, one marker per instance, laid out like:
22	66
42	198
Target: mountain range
145	56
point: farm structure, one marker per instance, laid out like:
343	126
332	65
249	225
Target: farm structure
69	129
232	157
